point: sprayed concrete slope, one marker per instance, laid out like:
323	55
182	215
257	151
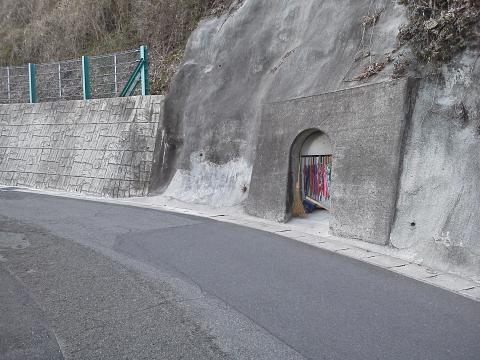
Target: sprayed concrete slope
438	209
273	51
263	52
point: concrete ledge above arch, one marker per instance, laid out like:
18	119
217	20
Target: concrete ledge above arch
366	125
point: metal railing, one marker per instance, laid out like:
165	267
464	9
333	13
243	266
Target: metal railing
91	77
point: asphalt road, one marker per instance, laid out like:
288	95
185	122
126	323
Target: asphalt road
86	268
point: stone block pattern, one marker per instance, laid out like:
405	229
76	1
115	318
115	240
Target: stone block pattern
101	147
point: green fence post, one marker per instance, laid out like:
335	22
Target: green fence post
86	78
32	85
144	71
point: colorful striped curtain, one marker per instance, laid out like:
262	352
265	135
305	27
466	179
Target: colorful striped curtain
316	172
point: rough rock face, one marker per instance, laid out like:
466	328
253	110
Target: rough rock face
266	51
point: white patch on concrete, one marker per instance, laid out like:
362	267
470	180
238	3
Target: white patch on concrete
163	141
455	79
208	69
211	184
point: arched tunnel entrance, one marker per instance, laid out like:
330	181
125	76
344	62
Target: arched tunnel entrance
311	178
367	145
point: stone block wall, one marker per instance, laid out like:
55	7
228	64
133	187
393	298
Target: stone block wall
101	147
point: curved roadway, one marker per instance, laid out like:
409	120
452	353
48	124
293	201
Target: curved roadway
318	304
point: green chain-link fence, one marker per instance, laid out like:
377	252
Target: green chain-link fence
91	77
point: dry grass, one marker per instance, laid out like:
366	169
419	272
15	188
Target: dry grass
48	30
438	29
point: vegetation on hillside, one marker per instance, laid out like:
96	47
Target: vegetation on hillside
48	30
438	29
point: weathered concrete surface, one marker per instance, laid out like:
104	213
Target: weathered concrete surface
102	147
438	213
262	51
366	126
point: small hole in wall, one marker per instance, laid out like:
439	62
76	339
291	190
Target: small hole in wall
413	224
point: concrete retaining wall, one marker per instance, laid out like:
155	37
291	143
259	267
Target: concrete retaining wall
366	126
101	147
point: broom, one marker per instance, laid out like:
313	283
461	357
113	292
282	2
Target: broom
297	209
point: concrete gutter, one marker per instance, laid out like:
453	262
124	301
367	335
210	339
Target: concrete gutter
381	256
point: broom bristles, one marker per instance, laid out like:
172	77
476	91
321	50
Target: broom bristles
297	209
